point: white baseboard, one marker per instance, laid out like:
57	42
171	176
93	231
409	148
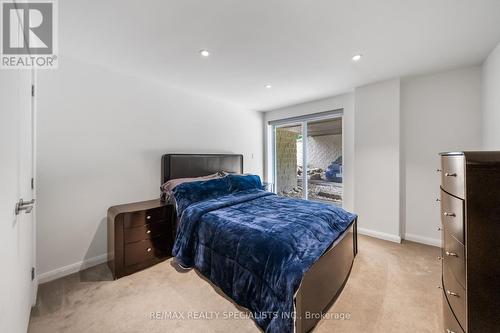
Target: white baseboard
380	235
72	268
423	240
84	264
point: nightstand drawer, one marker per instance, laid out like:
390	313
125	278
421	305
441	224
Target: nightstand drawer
141	218
146	231
137	252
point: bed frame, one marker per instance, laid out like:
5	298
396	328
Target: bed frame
323	282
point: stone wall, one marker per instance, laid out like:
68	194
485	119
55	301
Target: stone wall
286	159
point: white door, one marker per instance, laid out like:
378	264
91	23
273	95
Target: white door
17	231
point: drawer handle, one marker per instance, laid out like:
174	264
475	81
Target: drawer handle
450	331
450	174
451	293
451	254
149	249
438	170
449	214
148	231
148	217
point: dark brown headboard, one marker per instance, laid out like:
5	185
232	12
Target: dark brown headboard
196	165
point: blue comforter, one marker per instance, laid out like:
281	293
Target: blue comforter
256	246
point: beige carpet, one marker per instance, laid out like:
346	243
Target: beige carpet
392	288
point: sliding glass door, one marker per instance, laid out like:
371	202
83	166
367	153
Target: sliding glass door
307	156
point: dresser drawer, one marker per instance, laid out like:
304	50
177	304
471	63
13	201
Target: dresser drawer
451	324
454	257
146	231
452	175
455	294
452	215
140	218
141	251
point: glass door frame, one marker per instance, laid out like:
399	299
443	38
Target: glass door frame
302	121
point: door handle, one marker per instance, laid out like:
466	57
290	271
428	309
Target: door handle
27	206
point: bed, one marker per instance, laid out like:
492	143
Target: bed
320	284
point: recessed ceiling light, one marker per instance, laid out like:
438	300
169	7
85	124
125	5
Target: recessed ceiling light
204	53
268	86
356	57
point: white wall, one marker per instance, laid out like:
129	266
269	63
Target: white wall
101	135
377	159
440	112
16	232
491	100
345	102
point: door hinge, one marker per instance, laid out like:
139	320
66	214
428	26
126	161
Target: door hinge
32	273
32	90
32	183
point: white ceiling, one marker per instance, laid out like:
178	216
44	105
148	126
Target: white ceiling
302	47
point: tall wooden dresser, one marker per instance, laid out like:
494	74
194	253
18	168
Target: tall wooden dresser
470	218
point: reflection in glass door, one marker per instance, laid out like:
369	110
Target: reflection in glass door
324	160
308	159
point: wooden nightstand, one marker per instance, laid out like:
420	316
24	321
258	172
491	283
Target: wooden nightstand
140	235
